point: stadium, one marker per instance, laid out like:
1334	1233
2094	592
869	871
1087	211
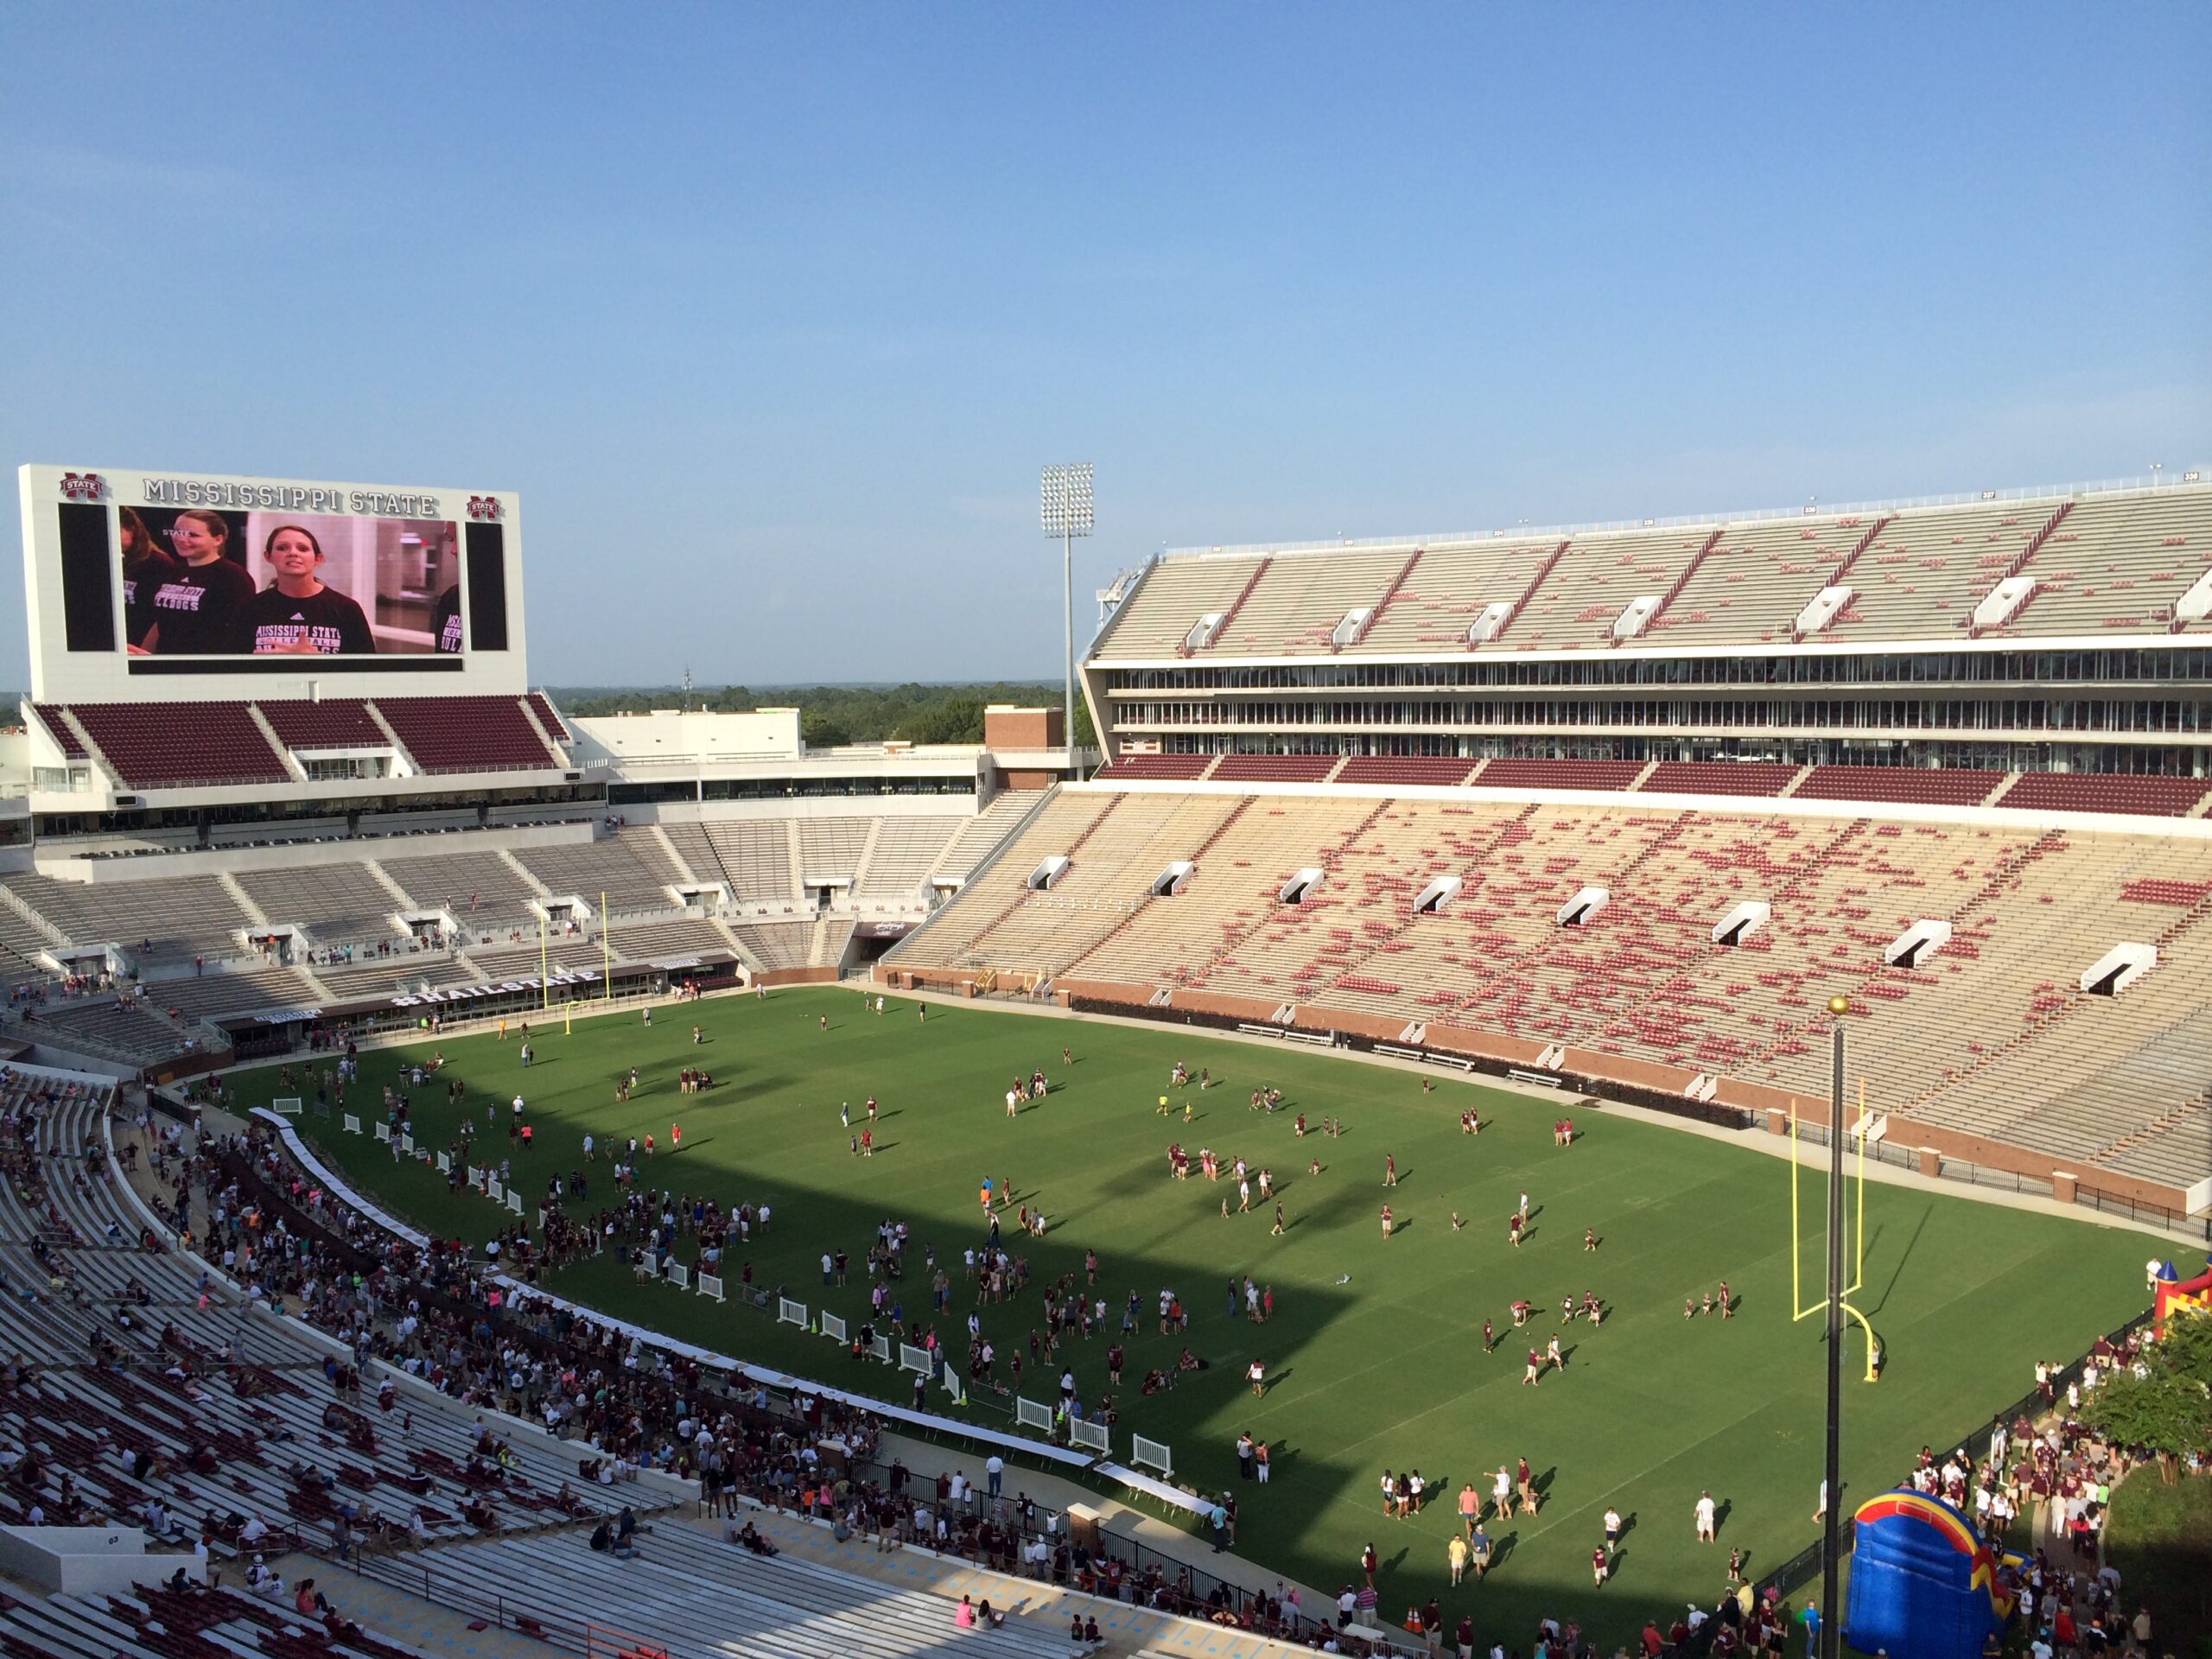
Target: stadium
1501	881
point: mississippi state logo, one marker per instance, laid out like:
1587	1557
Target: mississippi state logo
83	486
483	506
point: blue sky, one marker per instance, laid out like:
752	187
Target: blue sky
770	315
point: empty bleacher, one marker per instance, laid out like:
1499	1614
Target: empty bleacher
757	855
1132	768
335	903
234	991
664	941
1301	597
330	723
1273	768
2074	791
1437	769
1168	603
1928	570
983	832
1756	581
1928	786
1719	777
485	734
906	851
777	944
137	1033
830	849
1513	771
479	884
2117	563
50	716
1596	579
628	866
173	744
1448	589
179	916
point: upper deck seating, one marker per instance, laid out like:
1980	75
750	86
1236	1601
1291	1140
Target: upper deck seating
332	723
628	866
1930	567
983	832
1168	603
1719	777
757	854
466	734
1274	768
1756	581
176	745
2104	792
468	884
906	850
1448	589
1302	597
1130	767
1595	581
50	716
1513	771
2117	563
1934	786
1443	770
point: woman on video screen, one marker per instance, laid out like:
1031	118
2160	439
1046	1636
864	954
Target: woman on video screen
146	566
296	612
196	605
445	620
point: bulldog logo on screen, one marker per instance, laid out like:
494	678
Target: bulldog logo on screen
483	506
83	486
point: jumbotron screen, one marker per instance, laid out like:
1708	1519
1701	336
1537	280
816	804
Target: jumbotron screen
212	574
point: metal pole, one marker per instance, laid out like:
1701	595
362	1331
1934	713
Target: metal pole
1067	590
1831	1615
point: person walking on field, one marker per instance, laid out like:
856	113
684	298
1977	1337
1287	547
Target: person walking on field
1705	1518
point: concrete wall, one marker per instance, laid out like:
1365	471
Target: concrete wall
162	867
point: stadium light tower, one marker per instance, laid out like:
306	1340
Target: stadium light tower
1064	505
1831	1625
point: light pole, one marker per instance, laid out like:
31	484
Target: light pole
1831	1626
1064	506
2157	467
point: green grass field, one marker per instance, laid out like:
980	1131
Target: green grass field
1375	1354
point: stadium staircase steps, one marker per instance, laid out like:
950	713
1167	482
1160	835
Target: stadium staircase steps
15	901
277	745
93	752
385	726
1790	788
522	870
1021	897
400	1616
1383	604
2144	1131
2076	1000
1644	777
383	878
863	865
242	898
554	746
2020	563
2002	789
1228	616
817	944
1476	775
797	851
2203	805
1528	592
1651	623
1843	569
736	945
683	865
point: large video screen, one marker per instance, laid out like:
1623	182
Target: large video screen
210	582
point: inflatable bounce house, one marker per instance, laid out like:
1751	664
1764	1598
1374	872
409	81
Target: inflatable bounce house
2171	1291
1923	1586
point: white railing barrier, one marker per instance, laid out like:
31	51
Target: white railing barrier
679	1275
1151	1454
710	1285
407	1144
833	1326
880	1348
912	1358
514	1200
287	1107
1092	1437
494	1191
790	1312
1028	1413
352	1125
476	1176
952	1387
445	1163
384	1131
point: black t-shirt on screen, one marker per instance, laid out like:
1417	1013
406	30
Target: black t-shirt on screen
329	622
445	620
142	579
196	608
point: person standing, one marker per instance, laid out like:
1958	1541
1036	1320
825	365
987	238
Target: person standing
298	614
195	607
1244	1457
1455	1553
1705	1518
1261	1460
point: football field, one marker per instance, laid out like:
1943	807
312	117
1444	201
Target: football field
1374	1354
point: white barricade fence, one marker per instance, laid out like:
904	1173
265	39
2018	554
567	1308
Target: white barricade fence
1092	1437
912	1358
833	1326
952	1387
514	1200
493	1191
288	1107
1151	1453
1028	1413
384	1131
406	1141
679	1275
790	1312
322	1109
879	1347
710	1285
475	1175
445	1163
352	1125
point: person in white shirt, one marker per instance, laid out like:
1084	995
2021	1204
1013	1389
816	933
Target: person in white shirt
1705	1518
994	1471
